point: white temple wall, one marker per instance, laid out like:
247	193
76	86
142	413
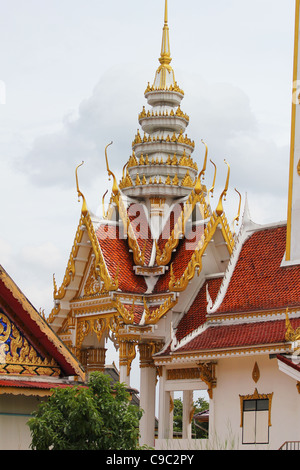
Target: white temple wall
234	378
14	414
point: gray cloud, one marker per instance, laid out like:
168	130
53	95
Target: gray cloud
220	113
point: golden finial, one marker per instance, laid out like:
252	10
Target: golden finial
54	286
211	190
115	188
123	173
103	206
202	173
219	209
165	56
84	206
198	186
290	334
237	218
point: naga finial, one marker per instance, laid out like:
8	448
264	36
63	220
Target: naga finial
237	218
202	173
103	207
115	188
211	190
219	209
84	206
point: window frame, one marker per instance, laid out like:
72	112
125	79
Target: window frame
255	397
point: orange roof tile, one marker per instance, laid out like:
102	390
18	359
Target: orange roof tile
196	315
239	335
258	281
116	253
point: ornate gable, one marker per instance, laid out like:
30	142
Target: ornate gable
28	346
18	356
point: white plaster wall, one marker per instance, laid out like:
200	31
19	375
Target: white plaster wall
14	414
234	378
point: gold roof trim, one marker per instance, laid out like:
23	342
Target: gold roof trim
180	284
291	334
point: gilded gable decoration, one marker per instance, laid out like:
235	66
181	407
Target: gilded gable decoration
18	356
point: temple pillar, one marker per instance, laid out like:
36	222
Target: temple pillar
147	394
187	414
93	359
166	406
126	355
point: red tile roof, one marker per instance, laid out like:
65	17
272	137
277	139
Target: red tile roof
180	259
35	384
259	282
196	315
239	335
116	253
139	222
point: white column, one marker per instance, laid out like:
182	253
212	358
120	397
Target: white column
147	395
186	414
165	415
124	377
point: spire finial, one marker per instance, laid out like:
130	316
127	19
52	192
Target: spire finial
165	77
165	56
166	12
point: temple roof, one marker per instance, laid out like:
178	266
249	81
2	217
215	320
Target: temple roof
255	292
22	317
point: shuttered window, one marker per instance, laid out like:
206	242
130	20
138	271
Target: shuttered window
256	421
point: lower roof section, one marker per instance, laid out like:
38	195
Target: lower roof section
233	338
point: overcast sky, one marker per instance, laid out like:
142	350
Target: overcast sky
75	72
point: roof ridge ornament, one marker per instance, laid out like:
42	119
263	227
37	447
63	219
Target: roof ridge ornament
211	190
219	209
237	217
115	188
84	206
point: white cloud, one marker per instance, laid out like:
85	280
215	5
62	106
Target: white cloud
44	256
5	253
220	113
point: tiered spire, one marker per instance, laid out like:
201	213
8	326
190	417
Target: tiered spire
161	164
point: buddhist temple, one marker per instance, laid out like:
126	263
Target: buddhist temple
163	272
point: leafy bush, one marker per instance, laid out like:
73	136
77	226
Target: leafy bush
96	417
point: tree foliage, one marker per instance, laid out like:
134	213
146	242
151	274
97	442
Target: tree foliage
87	418
199	405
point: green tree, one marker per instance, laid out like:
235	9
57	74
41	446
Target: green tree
199	405
96	417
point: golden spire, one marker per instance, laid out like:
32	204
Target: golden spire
165	75
165	56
